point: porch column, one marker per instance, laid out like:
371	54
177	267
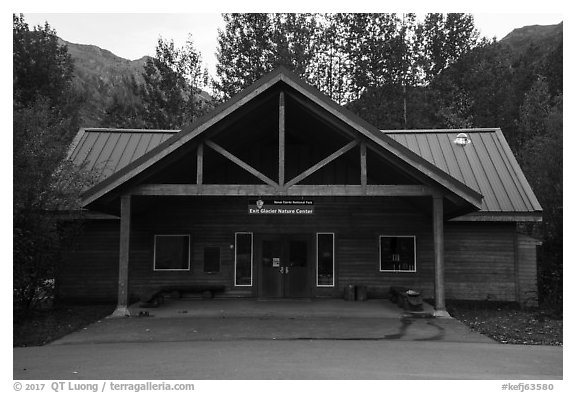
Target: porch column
122	307
438	224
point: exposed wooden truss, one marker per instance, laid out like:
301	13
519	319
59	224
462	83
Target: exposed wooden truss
321	164
241	163
282	187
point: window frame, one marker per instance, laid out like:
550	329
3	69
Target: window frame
333	260
156	236
380	255
251	258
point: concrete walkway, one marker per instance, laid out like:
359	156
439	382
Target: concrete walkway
248	319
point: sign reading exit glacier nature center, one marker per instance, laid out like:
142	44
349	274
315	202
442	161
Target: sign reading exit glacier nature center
280	207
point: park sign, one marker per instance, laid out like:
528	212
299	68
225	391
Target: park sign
274	206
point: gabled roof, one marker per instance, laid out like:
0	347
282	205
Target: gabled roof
486	165
105	151
282	75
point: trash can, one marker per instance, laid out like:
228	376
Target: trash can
413	301
349	293
361	293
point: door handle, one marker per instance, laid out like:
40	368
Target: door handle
282	270
286	269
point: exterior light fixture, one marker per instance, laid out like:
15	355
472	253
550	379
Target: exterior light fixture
462	139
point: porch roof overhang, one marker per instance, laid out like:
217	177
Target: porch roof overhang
439	181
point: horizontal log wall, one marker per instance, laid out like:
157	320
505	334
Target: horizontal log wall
527	276
480	261
89	269
479	256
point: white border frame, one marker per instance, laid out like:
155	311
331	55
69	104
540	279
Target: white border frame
251	257
380	255
333	260
189	253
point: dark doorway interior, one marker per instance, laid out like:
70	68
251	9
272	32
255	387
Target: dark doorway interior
284	262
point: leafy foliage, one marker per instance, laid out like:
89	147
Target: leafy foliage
126	109
252	45
173	80
42	68
44	121
541	159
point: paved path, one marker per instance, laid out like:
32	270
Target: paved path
289	359
286	340
264	328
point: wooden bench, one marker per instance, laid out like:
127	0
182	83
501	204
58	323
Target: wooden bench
155	296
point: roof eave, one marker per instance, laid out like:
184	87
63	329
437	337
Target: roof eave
490	216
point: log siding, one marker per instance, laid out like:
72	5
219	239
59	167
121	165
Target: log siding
479	257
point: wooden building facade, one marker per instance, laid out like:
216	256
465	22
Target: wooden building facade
280	192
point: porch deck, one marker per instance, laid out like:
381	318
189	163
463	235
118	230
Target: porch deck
198	320
285	308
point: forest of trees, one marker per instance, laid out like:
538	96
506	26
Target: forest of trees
394	70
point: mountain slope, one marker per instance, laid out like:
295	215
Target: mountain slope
539	36
539	50
98	74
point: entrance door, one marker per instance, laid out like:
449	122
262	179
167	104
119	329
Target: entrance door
284	264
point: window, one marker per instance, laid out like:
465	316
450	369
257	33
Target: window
397	253
211	259
172	252
243	259
325	259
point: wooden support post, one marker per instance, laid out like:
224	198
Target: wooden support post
438	224
281	139
200	164
518	292
363	169
125	208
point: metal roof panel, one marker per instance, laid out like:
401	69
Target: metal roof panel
486	165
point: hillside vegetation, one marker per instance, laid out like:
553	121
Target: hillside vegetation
98	76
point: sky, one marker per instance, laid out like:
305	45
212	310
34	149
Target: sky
134	35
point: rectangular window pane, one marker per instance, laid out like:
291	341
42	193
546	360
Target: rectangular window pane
172	252
397	253
325	259
211	259
243	260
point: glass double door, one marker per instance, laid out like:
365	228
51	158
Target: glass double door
284	265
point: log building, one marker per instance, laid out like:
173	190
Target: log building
282	193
